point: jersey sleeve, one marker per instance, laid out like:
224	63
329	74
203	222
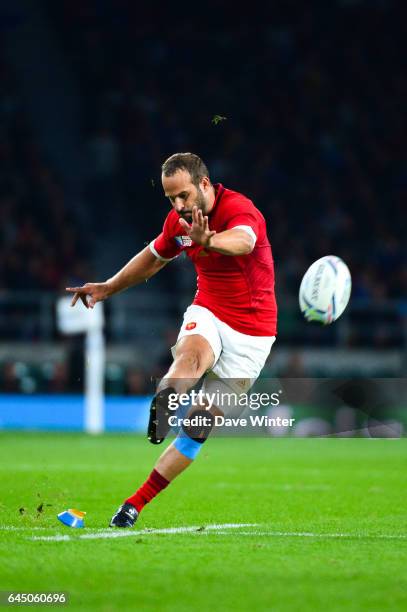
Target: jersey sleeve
165	247
245	219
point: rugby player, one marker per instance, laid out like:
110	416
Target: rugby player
229	329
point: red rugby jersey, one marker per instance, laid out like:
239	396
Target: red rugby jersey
238	289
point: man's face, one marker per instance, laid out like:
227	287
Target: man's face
184	195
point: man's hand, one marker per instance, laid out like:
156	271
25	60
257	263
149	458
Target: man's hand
199	231
90	294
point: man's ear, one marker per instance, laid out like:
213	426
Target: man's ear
205	183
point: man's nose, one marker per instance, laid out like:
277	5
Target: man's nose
179	204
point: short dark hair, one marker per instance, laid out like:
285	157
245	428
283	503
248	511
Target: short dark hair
186	161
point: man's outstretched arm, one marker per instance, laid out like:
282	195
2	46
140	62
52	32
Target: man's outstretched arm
142	267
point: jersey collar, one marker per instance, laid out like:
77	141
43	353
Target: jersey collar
219	189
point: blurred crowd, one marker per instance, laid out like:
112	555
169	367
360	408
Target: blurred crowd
301	107
39	239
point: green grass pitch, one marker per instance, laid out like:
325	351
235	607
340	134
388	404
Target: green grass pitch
325	524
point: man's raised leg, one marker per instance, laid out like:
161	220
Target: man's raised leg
193	357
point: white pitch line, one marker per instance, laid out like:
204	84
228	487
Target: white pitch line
109	533
143	531
11	528
218	529
289	534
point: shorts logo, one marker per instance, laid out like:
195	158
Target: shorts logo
190	326
242	383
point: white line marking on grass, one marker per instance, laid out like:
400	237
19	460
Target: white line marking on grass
147	530
216	529
56	538
11	528
289	534
109	533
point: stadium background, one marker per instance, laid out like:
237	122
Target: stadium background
300	107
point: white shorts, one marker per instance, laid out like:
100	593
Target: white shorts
238	357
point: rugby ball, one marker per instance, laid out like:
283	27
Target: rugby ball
325	290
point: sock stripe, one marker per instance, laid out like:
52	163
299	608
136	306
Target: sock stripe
152	486
158	479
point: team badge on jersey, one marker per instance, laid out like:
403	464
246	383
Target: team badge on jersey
183	241
190	326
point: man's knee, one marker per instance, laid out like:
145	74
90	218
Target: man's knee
194	353
189	360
